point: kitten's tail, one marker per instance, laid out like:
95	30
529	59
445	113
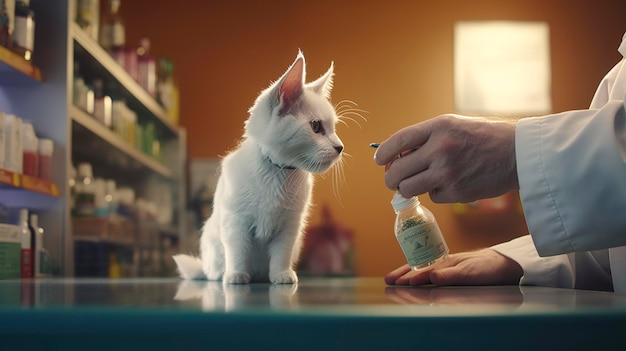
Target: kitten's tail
189	267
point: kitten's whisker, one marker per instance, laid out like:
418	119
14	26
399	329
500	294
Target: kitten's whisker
359	110
339	179
346	105
342	117
357	113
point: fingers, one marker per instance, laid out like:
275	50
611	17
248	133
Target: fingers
404	275
421	277
405	139
451	276
408	158
393	276
402	167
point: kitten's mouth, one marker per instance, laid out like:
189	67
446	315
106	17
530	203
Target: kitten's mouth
323	166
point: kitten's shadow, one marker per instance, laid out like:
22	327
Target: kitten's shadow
216	296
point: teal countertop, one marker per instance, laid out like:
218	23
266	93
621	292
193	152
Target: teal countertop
316	314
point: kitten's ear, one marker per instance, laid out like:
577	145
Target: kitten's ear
324	84
291	84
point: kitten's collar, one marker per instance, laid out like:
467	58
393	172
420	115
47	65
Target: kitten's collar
279	165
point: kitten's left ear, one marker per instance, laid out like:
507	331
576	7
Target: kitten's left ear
291	84
324	84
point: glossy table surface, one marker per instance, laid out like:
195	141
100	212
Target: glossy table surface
315	314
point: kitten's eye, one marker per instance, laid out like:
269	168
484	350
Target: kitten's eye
316	125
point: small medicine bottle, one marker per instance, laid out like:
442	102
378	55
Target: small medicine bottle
417	233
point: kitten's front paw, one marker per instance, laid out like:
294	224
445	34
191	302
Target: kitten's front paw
236	278
287	277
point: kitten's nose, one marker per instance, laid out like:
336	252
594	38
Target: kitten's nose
338	148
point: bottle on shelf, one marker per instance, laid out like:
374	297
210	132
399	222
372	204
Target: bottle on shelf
113	39
26	262
32	228
101	206
7	13
39	253
418	233
24	30
13	158
103	105
78	83
114	270
146	67
46	148
110	197
30	159
88	17
120	119
83	95
85	198
167	89
71	184
113	31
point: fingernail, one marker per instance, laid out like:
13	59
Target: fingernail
375	146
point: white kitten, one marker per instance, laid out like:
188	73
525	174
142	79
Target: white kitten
263	194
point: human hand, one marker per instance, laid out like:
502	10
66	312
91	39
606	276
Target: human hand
455	158
482	267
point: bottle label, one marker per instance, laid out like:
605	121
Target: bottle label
421	243
85	205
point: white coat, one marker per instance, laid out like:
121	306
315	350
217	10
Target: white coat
572	176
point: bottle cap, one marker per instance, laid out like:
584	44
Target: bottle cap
399	202
46	146
84	170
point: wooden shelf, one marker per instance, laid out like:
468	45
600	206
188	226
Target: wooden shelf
106	67
29	183
12	63
22	191
109	137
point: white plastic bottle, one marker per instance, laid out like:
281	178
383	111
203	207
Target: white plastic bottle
417	233
85	201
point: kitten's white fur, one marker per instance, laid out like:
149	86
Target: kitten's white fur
263	195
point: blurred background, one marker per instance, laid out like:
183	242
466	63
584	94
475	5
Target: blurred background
393	58
400	62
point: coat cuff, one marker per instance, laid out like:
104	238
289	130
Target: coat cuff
554	271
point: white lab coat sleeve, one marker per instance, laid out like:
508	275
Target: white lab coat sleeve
580	270
572	178
554	271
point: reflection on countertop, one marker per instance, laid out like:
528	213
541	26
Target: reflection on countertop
215	296
322	296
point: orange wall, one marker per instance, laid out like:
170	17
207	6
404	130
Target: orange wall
394	58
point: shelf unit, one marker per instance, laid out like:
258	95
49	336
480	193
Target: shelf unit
13	65
42	93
